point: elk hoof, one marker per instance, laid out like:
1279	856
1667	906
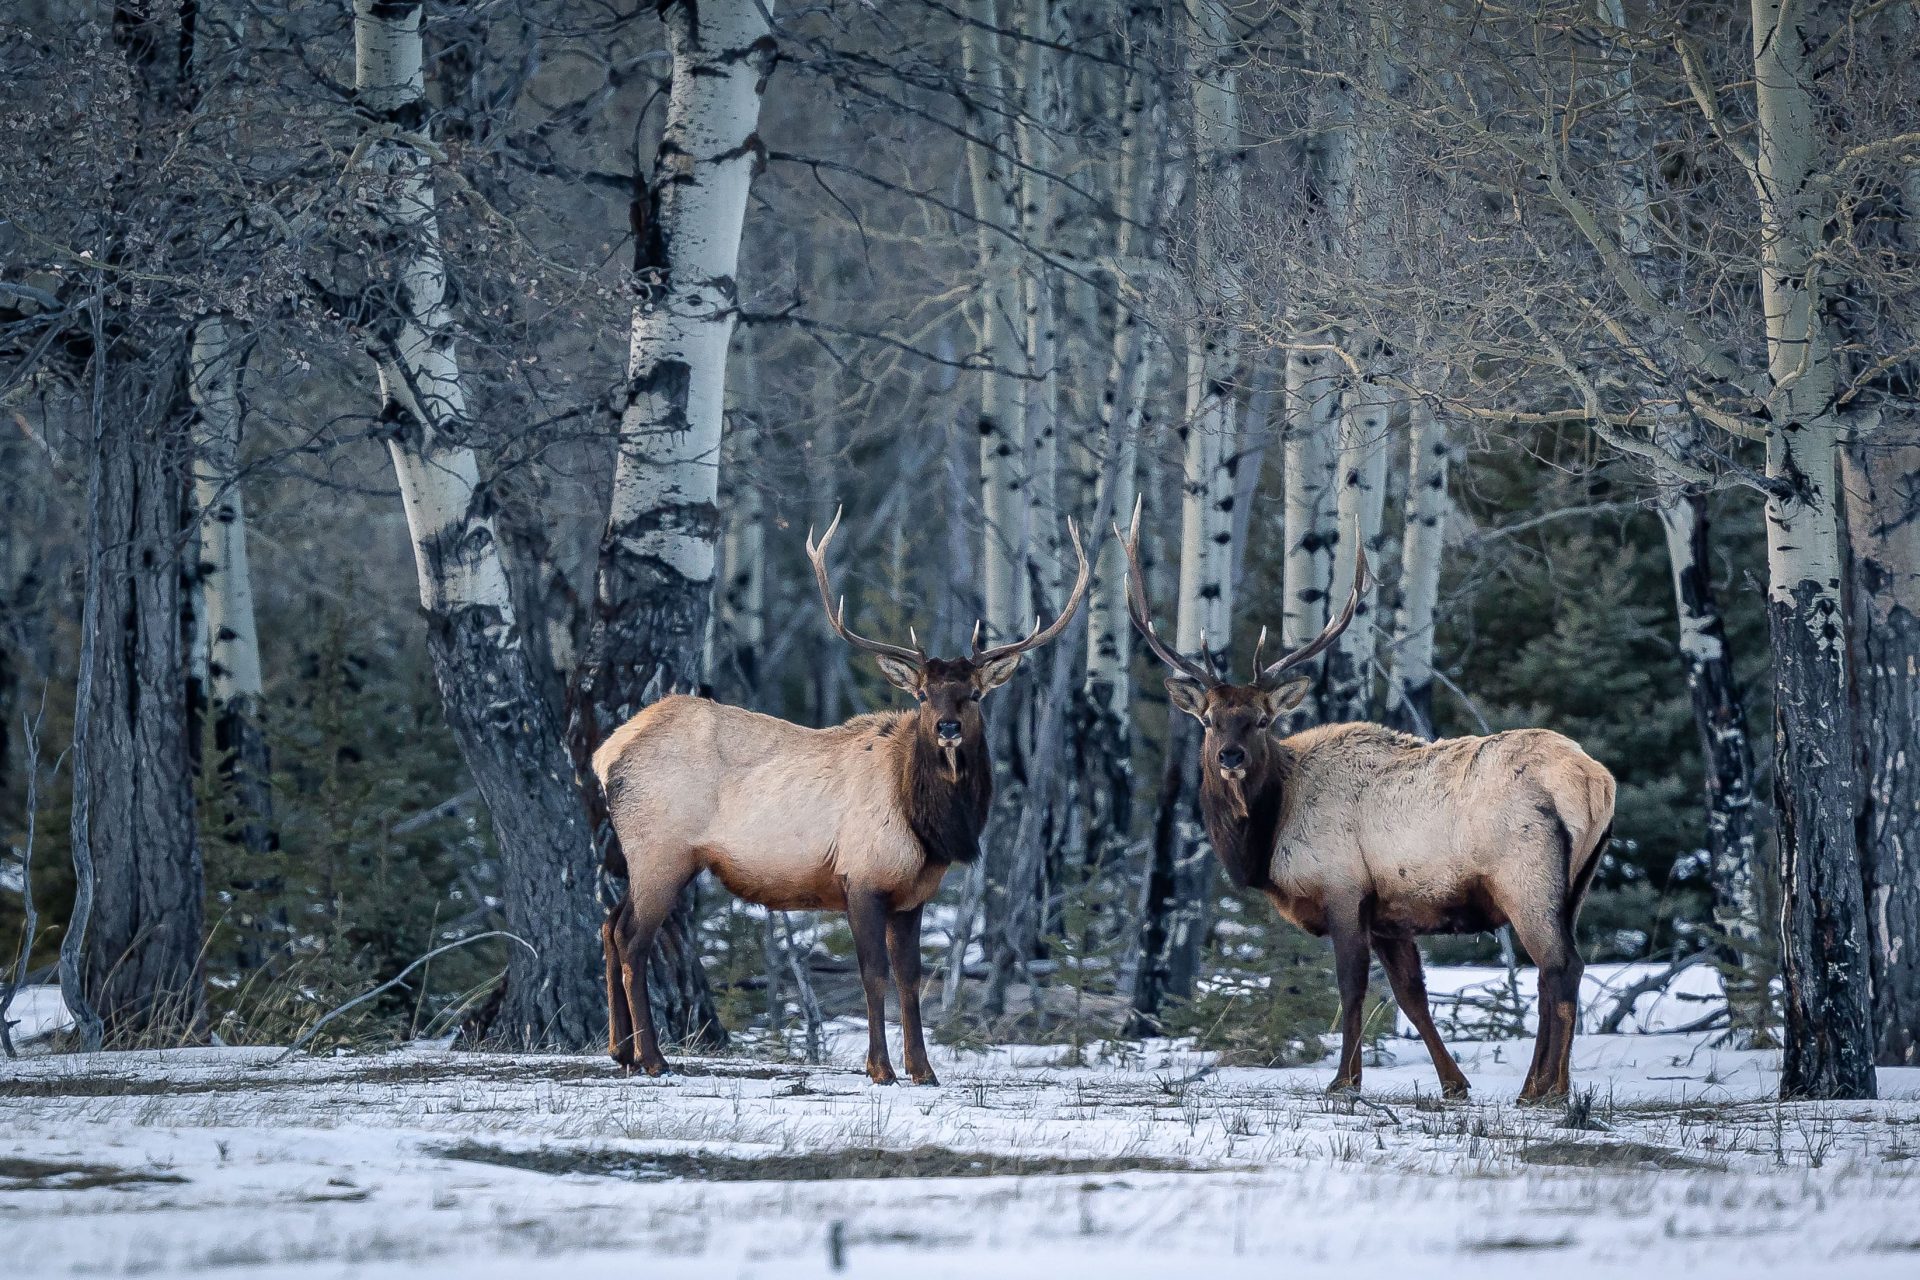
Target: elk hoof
881	1075
1541	1096
658	1067
1456	1090
926	1077
1344	1089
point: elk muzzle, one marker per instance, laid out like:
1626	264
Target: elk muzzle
946	734
1233	763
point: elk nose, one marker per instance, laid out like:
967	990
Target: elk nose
1232	757
948	728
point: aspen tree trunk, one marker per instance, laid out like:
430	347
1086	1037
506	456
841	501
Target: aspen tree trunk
744	601
996	201
1825	954
1314	381
1365	420
1311	500
1044	114
233	643
1720	715
1883	522
1423	543
225	617
1177	894
1718	710
1360	510
658	556
508	735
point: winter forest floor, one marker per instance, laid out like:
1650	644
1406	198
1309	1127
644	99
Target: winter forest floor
424	1161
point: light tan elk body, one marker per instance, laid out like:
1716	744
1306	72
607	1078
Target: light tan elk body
863	818
1376	837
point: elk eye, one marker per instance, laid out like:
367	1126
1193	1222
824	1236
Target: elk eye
919	695
1262	722
975	696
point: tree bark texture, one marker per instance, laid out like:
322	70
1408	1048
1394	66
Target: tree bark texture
1824	953
226	585
1883	524
1746	953
142	971
508	735
658	558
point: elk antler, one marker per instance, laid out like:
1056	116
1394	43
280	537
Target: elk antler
1270	676
1137	608
838	620
1039	637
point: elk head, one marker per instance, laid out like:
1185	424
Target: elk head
949	690
1236	716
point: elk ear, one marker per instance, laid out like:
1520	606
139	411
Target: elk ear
996	673
1288	696
900	673
1189	696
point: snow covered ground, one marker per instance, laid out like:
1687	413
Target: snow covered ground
427	1162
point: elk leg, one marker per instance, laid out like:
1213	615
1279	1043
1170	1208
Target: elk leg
903	948
1549	942
619	1017
652	897
867	913
1400	957
1350	962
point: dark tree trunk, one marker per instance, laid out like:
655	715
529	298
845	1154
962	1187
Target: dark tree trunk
142	955
1824	952
1745	958
1179	879
648	634
512	746
1883	521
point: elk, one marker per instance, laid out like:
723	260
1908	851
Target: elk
863	818
1376	837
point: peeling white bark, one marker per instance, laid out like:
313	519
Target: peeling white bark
666	484
1410	691
996	198
455	551
1313	399
233	643
1204	619
1360	508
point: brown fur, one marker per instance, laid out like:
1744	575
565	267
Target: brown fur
862	818
1375	838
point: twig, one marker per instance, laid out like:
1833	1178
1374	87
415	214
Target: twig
1630	996
391	983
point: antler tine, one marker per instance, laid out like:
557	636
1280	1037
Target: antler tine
1137	606
1362	579
837	619
1259	646
1039	637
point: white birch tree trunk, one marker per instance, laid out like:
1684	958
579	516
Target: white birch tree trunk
507	733
1745	957
1422	548
1360	510
1178	887
1311	500
655	586
1829	1043
996	199
225	620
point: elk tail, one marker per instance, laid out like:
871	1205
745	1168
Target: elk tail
1600	793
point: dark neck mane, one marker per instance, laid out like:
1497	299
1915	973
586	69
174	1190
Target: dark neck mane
946	807
1244	838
